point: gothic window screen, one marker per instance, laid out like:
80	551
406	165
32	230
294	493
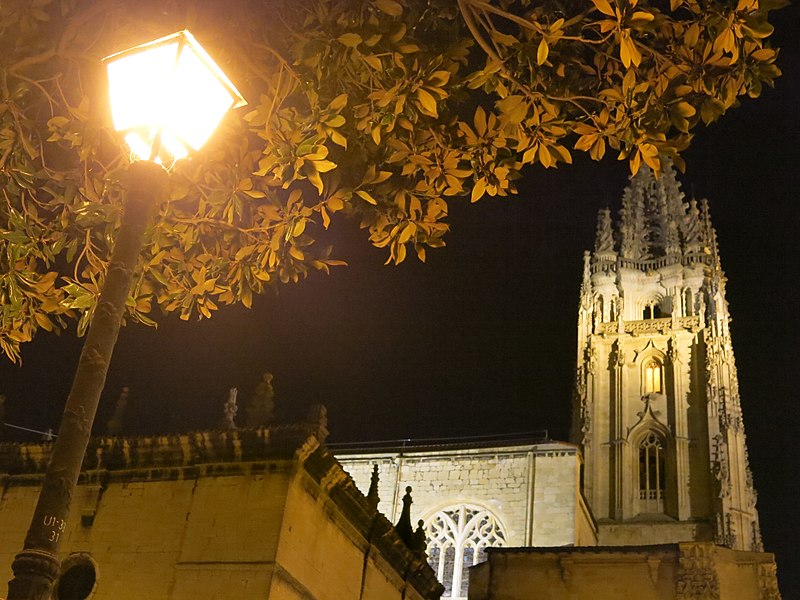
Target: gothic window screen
653	377
457	539
652	476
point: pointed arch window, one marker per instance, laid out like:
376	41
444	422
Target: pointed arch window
652	473
653	377
457	539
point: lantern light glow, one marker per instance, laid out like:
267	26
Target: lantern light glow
168	96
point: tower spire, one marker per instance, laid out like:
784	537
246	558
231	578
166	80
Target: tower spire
656	403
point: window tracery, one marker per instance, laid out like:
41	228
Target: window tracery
457	539
652	473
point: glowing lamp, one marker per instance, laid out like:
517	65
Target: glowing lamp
168	96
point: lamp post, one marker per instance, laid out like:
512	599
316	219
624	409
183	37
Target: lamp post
167	97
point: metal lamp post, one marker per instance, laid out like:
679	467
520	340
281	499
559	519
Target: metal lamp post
167	97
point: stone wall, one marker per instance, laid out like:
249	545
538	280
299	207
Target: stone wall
532	489
689	571
250	517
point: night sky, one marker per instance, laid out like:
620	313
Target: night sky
482	338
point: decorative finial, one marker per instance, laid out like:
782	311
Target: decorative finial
117	419
633	226
420	541
318	417
403	527
604	242
259	413
228	421
372	495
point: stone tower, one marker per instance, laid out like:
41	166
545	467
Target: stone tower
657	398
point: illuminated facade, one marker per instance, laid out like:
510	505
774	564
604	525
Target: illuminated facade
666	490
657	408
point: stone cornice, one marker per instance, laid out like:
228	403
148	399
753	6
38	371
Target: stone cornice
372	527
208	452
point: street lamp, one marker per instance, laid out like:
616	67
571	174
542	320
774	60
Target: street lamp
167	98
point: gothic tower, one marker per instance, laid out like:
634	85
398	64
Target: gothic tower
657	399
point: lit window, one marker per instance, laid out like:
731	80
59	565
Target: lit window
653	377
457	539
652	476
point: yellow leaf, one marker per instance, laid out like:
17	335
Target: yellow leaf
544	157
542	52
247	296
480	121
390	7
478	190
339	139
598	150
763	54
427	104
351	40
374	62
636	162
562	153
585	142
692	35
44	322
315	179
366	196
628	52
641	15
323	166
408	231
514	107
439	78
685	109
338	103
381	176
604	7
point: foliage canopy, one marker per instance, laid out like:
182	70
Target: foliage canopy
384	110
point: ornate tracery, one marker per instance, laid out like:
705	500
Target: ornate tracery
457	539
652	473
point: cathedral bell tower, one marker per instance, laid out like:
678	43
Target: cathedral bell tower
656	406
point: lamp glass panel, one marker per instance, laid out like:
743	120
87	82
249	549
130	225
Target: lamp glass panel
139	84
199	100
170	89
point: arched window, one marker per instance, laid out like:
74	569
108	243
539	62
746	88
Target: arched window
652	474
653	377
457	539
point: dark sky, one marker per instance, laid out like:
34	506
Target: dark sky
481	339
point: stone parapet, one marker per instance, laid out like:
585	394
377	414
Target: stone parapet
685	571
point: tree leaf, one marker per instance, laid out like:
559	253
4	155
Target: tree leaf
366	196
604	7
427	103
542	52
390	7
351	40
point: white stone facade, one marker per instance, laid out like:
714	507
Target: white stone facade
468	498
657	408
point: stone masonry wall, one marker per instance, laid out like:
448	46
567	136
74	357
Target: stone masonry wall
531	489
